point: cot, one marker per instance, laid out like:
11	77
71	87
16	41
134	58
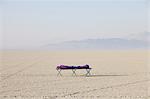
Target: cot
73	68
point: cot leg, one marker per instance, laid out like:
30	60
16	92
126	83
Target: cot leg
88	72
59	72
74	72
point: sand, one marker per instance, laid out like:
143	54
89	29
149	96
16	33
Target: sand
115	75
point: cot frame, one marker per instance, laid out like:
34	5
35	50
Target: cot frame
88	71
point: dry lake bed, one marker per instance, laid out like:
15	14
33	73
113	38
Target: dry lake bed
122	74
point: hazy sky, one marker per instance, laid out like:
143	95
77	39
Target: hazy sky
31	23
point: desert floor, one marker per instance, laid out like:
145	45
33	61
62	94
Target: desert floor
114	75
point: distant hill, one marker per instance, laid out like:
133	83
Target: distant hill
91	44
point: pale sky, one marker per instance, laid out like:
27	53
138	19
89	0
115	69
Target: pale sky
32	23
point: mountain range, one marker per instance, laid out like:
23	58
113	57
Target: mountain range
96	44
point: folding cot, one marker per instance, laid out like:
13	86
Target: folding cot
73	68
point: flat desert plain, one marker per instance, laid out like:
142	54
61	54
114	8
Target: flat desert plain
122	74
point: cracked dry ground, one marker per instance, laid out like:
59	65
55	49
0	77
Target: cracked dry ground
32	75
